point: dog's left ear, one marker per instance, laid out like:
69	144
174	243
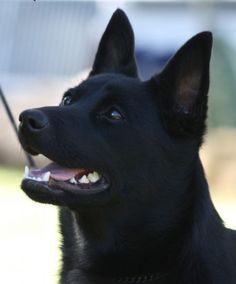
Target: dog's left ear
183	86
116	49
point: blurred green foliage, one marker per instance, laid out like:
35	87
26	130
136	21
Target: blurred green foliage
222	96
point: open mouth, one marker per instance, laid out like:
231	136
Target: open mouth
67	179
57	185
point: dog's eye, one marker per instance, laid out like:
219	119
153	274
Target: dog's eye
66	100
114	114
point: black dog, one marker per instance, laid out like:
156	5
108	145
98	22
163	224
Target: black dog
135	206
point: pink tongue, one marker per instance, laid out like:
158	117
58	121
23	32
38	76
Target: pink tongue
57	172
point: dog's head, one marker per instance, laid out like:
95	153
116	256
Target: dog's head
115	138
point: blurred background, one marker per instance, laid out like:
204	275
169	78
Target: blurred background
49	46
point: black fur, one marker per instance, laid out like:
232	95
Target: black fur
156	220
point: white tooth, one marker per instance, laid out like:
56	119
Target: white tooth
46	177
93	177
84	179
26	174
97	174
90	177
73	180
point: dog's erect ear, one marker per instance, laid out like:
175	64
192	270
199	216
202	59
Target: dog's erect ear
116	49
183	84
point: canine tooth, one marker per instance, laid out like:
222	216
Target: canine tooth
46	177
93	177
73	180
26	174
84	179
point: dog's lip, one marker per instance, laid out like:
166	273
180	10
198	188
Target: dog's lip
64	186
42	192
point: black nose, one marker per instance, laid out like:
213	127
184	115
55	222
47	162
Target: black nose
33	120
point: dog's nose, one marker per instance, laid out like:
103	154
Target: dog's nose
33	120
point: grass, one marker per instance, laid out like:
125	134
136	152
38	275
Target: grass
29	232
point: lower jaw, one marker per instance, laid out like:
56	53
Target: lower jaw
63	194
82	188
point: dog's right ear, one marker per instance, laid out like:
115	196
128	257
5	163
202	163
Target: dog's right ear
116	49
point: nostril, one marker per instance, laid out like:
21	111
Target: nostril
33	119
36	123
20	118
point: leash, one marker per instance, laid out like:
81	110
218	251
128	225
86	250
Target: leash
13	123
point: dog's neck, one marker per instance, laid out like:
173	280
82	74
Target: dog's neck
112	236
108	245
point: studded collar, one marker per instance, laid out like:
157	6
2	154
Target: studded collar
140	278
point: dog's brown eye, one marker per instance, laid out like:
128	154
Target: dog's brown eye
114	114
66	100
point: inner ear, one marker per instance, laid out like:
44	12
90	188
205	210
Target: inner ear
185	78
115	52
188	88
